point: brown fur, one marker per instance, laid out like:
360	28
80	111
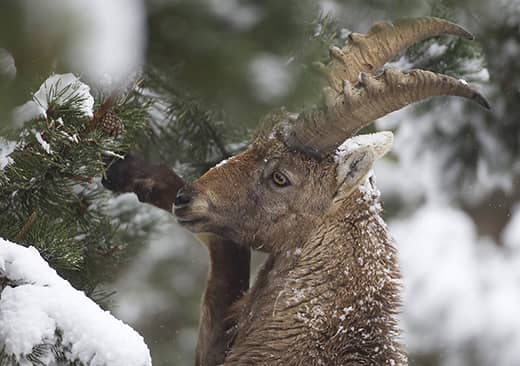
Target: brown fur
328	293
156	184
237	199
228	281
330	301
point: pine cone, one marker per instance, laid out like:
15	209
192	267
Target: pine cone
111	124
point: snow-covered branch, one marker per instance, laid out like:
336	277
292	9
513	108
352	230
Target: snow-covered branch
43	316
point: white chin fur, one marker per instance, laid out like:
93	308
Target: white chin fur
356	156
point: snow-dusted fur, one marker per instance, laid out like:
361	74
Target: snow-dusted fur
329	291
330	300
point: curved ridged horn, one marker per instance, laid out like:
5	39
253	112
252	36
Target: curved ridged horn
385	40
319	132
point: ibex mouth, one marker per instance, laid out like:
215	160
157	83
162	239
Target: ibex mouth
187	222
195	225
187	218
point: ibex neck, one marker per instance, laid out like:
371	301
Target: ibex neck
352	265
363	202
332	300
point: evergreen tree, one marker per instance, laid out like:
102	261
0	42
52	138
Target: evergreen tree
50	194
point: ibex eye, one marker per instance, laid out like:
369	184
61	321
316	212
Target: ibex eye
280	180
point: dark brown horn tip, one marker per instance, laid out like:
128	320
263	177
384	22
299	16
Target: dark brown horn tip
459	31
462	32
470	36
478	98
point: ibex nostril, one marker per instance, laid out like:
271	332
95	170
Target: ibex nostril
182	199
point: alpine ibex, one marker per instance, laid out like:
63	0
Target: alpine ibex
329	292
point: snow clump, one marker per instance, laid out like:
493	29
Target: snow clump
6	148
60	89
57	90
40	309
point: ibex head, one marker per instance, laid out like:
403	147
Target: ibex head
288	179
269	183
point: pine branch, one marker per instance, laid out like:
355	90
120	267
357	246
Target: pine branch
27	226
47	194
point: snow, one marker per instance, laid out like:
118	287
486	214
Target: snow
58	89
28	112
100	39
461	294
239	14
61	88
475	70
427	163
6	148
74	138
37	303
460	290
317	30
380	143
7	65
137	299
270	77
436	50
389	178
482	75
505	12
221	163
511	233
344	33
402	63
44	144
112	154
329	7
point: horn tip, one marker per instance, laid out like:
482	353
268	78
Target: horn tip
452	28
466	34
462	32
478	98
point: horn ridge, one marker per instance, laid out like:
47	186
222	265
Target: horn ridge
356	97
385	40
369	99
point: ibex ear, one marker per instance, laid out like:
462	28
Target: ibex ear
356	156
